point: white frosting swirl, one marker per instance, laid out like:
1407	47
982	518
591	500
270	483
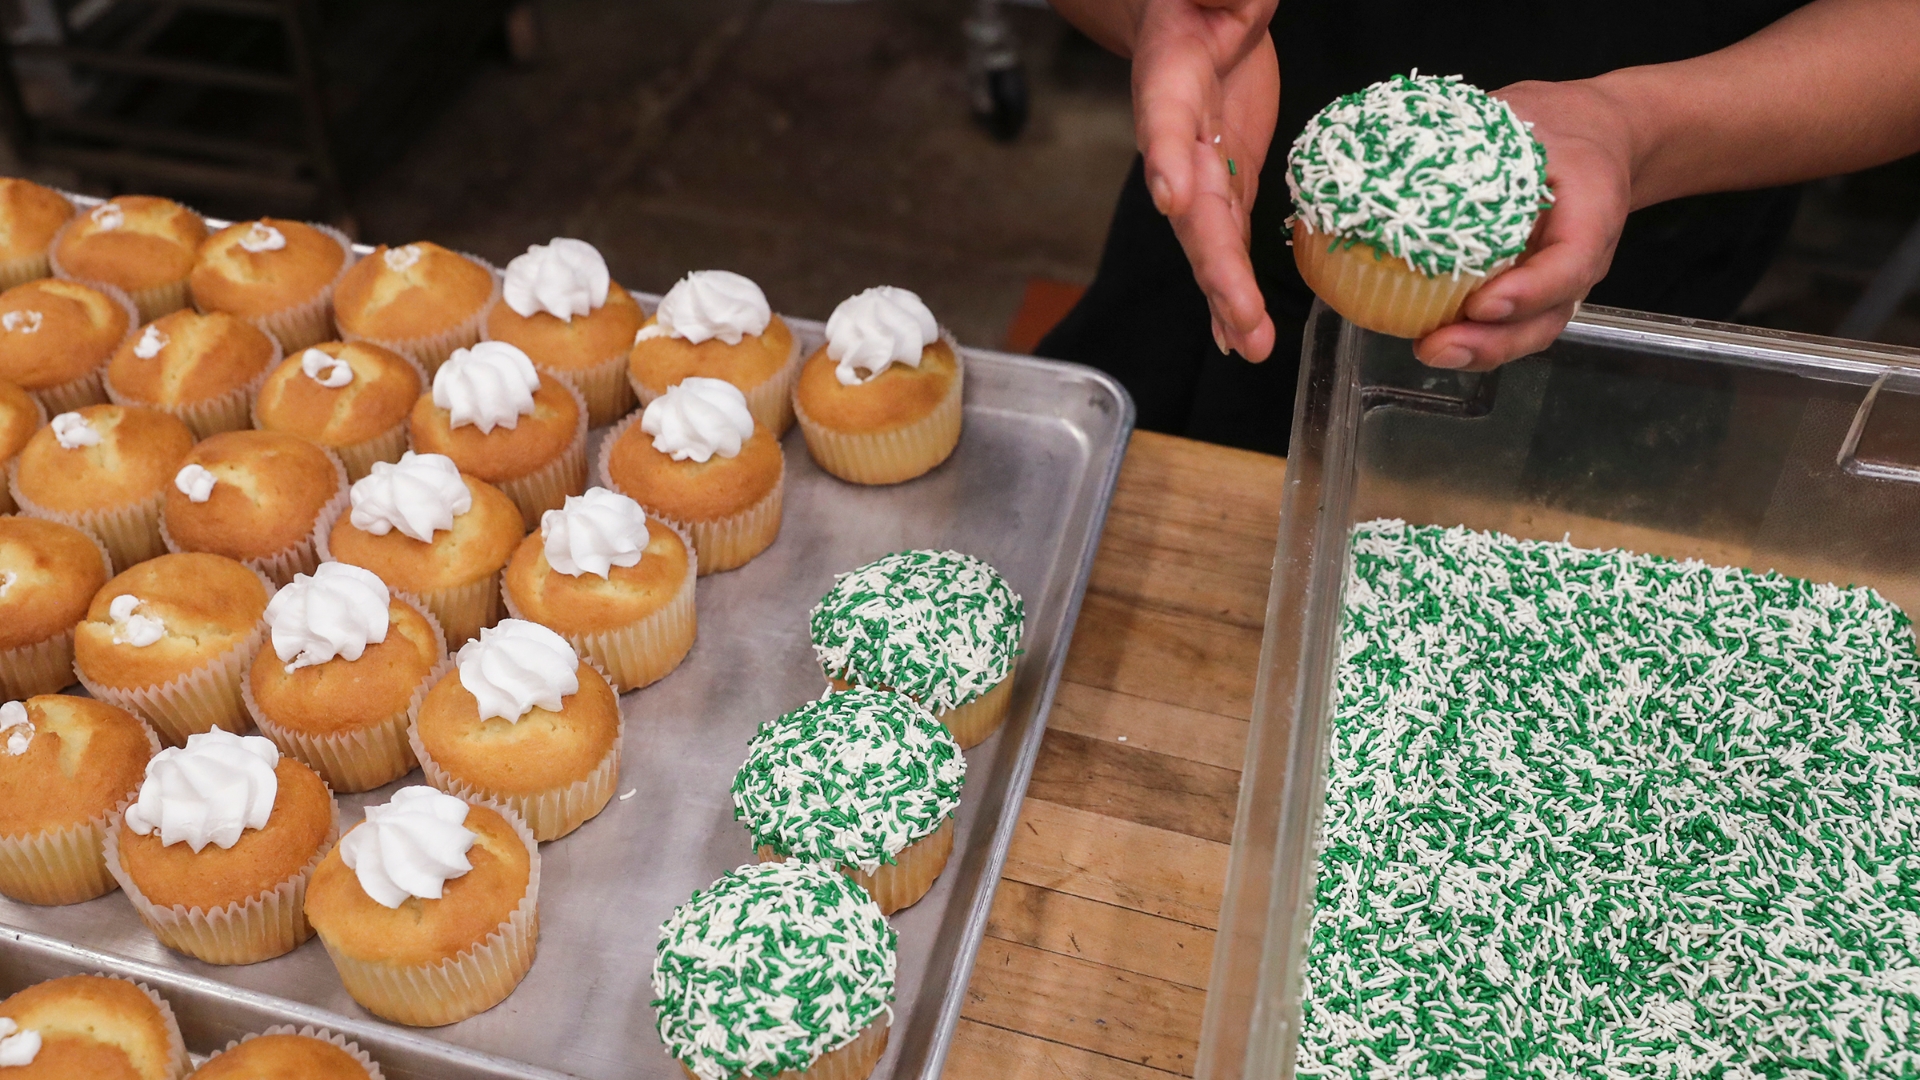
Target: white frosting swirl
261	236
878	328
697	418
517	665
401	259
24	321
208	792
17	1047
411	846
489	385
133	629
418	496
195	482
331	372
563	278
108	216
17	726
594	532
712	304
338	610
152	340
71	431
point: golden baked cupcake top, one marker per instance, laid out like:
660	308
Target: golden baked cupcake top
358	907
559	305
494	414
102	456
184	357
54	331
249	494
283	1055
166	617
255	268
695	453
65	761
133	242
713	323
29	216
346	653
885	365
412	291
339	393
92	1027
20	417
596	564
421	525
48	575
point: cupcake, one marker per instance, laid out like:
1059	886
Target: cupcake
717	325
350	662
56	337
277	275
430	907
89	1027
105	469
618	587
350	397
204	369
776	969
30	215
879	403
68	765
217	851
1410	195
434	534
559	305
420	300
48	575
696	456
170	640
941	627
504	422
283	1052
524	723
865	781
20	417
261	497
140	244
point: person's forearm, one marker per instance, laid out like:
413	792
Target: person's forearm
1110	23
1830	88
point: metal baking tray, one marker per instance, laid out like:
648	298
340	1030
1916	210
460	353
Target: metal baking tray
1027	490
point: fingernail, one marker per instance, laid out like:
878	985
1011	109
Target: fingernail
1219	339
1453	356
1162	194
1495	310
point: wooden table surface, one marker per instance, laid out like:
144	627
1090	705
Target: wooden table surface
1095	961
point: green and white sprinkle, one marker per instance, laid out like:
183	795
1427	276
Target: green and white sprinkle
1596	814
772	966
849	780
939	625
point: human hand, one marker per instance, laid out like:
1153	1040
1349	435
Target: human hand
1590	169
1206	92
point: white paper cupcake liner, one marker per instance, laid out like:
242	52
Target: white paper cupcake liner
430	995
1382	294
308	1031
387	446
24	269
301	556
229	411
462	610
901	883
433	349
310	321
547	487
853	1060
90	388
646	651
970	724
770	402
131	534
268	924
66	865
149	304
889	457
604	386
725	543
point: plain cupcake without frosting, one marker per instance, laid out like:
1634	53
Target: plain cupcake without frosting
257	496
56	337
880	402
717	324
92	1026
560	306
283	1052
350	397
105	469
278	275
67	766
142	245
420	300
204	369
48	575
30	216
503	421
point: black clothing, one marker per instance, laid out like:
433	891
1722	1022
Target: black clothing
1144	320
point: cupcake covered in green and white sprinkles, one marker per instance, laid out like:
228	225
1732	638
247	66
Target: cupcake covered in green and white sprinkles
941	627
1410	195
864	780
776	967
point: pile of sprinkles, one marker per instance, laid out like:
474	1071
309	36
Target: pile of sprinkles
1597	814
939	625
1426	169
851	779
770	967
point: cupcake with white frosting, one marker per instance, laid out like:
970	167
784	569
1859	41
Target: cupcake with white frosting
880	402
561	307
716	324
697	456
349	663
524	722
618	585
430	907
216	851
506	422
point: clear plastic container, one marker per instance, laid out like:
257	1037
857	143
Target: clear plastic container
1666	436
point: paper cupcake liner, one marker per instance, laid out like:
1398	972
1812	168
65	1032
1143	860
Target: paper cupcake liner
308	1031
547	487
604	386
430	995
44	667
432	350
229	411
310	321
853	1060
901	883
387	446
149	304
646	651
970	724
889	457
462	610
1382	294
549	814
771	402
131	534
179	1064
66	865
24	269
303	555
268	924
725	543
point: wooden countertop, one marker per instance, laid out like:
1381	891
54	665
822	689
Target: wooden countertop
1095	961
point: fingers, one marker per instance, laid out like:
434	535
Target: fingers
1174	98
1214	232
1477	346
1572	251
